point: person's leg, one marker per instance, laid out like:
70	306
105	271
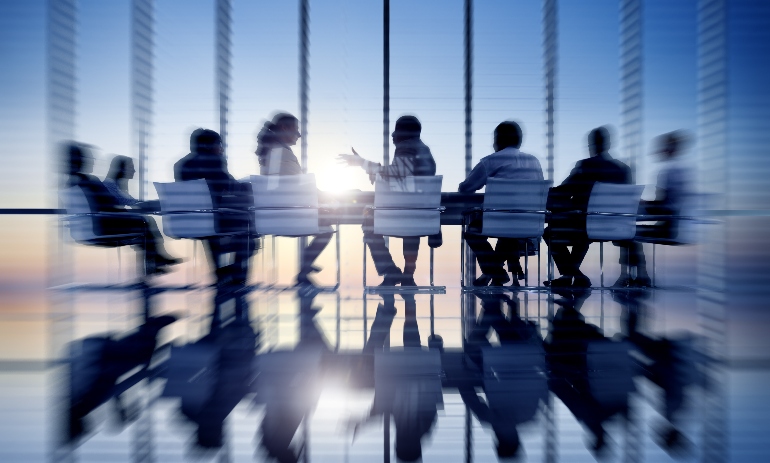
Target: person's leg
157	238
411	248
383	261
509	250
313	250
579	251
560	253
490	262
411	330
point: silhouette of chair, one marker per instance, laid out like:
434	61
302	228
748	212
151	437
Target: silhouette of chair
512	209
611	215
287	205
188	211
81	221
684	226
515	373
407	207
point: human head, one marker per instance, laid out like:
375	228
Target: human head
77	158
205	141
286	127
507	134
598	141
671	144
121	167
406	127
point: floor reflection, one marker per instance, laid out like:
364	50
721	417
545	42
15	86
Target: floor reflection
308	375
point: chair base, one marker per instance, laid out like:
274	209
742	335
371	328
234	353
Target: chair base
405	289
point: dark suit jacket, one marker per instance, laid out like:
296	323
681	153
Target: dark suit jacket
226	192
210	167
574	191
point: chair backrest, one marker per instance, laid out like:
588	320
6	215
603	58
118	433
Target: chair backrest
415	370
408	206
519	195
686	230
81	224
285	205
515	379
610	371
187	209
613	198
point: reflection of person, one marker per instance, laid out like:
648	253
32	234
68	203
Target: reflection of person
100	199
669	362
410	399
511	399
97	364
411	158
509	163
569	202
291	393
276	158
592	397
673	186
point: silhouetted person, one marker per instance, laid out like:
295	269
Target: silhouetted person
579	376
121	171
512	398
291	394
673	186
412	157
100	199
409	397
97	364
206	161
669	362
509	163
276	158
569	202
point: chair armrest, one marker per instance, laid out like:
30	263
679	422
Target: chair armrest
513	211
104	214
440	208
612	214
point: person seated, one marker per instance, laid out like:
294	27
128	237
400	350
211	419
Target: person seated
509	163
100	199
673	186
411	158
276	158
206	161
569	203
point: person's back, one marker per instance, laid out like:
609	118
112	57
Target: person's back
507	162
599	167
206	162
413	157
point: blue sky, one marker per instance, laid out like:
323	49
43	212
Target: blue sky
346	80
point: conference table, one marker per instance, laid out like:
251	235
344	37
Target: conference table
347	207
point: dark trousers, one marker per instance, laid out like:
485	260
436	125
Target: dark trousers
314	249
149	245
567	262
491	260
383	261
